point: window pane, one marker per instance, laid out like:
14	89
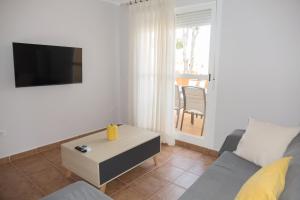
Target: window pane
192	49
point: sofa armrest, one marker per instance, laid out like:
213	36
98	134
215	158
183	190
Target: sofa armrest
231	142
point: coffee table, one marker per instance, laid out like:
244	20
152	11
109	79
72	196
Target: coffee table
109	159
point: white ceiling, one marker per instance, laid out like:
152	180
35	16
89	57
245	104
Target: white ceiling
178	2
117	2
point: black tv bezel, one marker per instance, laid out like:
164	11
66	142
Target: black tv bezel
41	85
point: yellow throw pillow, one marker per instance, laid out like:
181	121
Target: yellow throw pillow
267	183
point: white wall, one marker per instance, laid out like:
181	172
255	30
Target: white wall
259	64
124	49
37	116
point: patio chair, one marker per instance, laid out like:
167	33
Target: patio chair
178	103
194	99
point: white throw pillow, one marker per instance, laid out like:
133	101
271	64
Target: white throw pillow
265	142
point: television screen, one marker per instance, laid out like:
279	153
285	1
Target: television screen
37	65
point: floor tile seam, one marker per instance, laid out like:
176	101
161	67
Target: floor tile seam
172	182
53	164
169	183
195	173
28	178
132	182
181	167
57	167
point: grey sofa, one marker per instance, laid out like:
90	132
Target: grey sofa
77	191
223	180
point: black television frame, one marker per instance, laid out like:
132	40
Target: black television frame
18	85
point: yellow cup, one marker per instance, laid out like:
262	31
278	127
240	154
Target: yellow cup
112	132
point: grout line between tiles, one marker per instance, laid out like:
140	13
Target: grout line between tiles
170	154
24	175
143	175
161	165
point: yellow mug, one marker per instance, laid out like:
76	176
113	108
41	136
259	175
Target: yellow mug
112	132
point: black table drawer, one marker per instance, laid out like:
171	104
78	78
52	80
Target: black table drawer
126	160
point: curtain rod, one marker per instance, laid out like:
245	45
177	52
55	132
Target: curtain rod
132	2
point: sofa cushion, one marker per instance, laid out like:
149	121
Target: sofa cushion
270	141
292	180
267	183
222	180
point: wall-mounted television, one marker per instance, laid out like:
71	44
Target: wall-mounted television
38	65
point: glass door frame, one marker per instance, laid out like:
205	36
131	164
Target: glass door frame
208	139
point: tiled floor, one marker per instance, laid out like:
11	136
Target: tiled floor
36	176
187	126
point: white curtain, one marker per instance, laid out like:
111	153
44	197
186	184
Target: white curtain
151	66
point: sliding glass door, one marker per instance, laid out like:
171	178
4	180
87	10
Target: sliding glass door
193	68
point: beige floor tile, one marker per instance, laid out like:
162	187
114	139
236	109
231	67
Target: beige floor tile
197	169
133	174
148	185
50	180
53	155
32	164
6	170
186	180
195	155
167	172
168	192
182	162
15	186
148	165
114	186
163	157
128	194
